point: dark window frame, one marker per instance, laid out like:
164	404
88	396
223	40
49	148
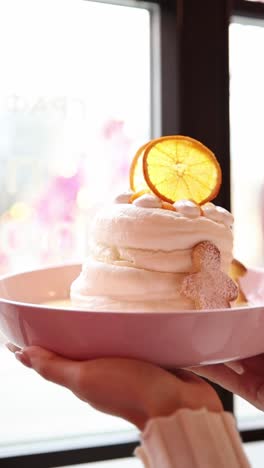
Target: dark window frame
194	101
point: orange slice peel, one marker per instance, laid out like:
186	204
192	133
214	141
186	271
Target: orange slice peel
137	195
136	174
168	206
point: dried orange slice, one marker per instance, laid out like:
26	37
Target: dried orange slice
179	168
236	271
136	175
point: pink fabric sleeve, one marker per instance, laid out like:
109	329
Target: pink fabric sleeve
192	439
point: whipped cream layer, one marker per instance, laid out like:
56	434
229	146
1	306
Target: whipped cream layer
154	238
140	253
104	286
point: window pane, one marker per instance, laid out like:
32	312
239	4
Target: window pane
247	158
74	107
246	116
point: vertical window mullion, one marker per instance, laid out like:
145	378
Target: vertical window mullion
169	68
202	94
204	79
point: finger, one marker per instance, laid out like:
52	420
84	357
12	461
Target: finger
91	377
253	364
221	375
248	385
50	365
12	347
236	366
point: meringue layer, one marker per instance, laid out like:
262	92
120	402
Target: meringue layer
155	239
139	256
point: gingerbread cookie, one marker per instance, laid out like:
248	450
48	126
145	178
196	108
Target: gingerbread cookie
209	287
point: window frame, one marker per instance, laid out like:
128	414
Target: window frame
186	27
71	457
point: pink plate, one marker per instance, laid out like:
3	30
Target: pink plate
187	338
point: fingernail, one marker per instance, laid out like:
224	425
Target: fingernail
11	347
236	367
260	394
22	357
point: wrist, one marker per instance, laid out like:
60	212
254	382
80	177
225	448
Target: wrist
175	394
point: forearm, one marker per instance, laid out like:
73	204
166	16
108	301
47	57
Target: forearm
192	439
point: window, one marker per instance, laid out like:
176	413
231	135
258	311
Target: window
246	117
247	166
75	104
70	123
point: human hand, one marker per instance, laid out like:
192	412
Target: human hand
244	378
134	390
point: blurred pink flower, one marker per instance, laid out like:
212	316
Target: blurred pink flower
112	128
57	202
4	262
118	147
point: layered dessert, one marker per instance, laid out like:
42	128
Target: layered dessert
142	244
